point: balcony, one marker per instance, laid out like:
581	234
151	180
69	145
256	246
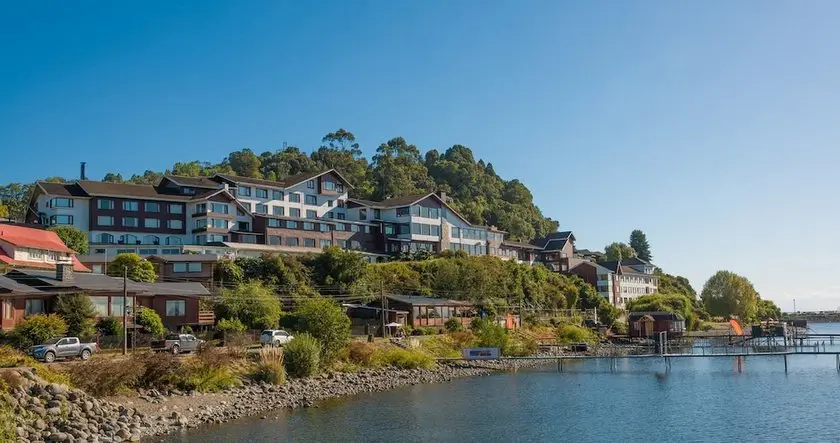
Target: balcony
206	317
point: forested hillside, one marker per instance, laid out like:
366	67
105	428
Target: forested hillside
397	169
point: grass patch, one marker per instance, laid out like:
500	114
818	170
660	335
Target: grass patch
206	378
7	420
402	358
449	345
269	368
12	358
575	334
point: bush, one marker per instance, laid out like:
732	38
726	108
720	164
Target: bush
78	312
302	355
254	303
110	326
521	346
327	322
270	367
38	328
206	378
453	325
360	353
619	327
493	336
402	358
477	324
12	358
574	334
150	320
105	376
159	370
229	326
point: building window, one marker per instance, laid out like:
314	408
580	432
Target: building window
325	244
342	244
176	308
173	241
311	199
275	240
129	239
151	223
278	211
310	184
244	191
274	223
340	203
250	238
219	223
329	186
308	226
106	238
61	202
424	229
98	269
61	219
130	205
294	198
309	242
367	229
170	251
340	216
340	227
277	195
34	306
262	193
247	206
105	220
147	251
105	204
174	224
219	208
436	230
377	214
130	222
329	203
292	241
201	223
101	305
355	244
325	227
405	210
151	240
311	213
354	228
291	224
152	207
261	209
176	208
186	267
362	214
294	212
456	232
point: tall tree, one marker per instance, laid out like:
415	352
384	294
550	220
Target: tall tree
15	197
139	269
78	311
619	251
340	151
72	237
113	178
727	294
639	243
399	171
245	163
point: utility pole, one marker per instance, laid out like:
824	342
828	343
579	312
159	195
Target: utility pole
125	310
382	302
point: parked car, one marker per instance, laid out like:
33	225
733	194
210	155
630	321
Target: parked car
63	347
275	337
177	343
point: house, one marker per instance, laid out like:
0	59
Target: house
635	278
22	246
185	267
34	292
556	249
605	281
428	311
648	324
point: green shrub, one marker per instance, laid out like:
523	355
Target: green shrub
302	355
574	334
78	312
327	322
150	320
619	327
186	329
37	329
477	324
270	367
207	378
453	325
493	336
520	346
231	326
360	353
105	376
8	427
12	358
110	326
402	358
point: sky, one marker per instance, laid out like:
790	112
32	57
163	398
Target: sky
710	125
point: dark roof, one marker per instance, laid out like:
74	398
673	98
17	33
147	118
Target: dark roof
655	315
196	182
180	288
204	258
404	201
284	183
426	301
11	287
68	189
555	240
94	188
555	245
516	244
46	281
370	203
612	265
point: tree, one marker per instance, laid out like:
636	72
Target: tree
4	211
675	284
399	171
72	237
139	269
639	243
37	329
337	267
727	294
78	312
674	303
619	251
253	303
151	321
245	163
767	310
327	322
15	197
113	178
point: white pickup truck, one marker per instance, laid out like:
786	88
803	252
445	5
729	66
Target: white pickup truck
275	337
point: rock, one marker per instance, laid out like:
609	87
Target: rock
58	436
54	411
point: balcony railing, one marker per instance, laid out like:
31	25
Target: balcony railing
206	317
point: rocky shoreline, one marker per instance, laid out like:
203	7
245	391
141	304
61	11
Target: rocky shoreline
50	412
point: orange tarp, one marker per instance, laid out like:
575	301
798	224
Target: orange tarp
736	327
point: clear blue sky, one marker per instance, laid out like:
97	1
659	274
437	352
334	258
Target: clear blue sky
710	125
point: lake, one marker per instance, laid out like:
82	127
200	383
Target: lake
699	400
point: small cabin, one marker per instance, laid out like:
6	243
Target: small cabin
648	324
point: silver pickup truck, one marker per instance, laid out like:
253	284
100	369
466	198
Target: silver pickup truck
64	347
177	343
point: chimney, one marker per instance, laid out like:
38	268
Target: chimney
82	172
64	269
442	196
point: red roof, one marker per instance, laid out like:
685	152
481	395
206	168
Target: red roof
77	265
33	238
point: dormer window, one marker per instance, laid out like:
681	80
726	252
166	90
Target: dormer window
189	191
310	184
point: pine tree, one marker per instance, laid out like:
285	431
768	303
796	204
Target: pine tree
639	243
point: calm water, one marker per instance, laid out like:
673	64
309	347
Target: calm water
700	400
